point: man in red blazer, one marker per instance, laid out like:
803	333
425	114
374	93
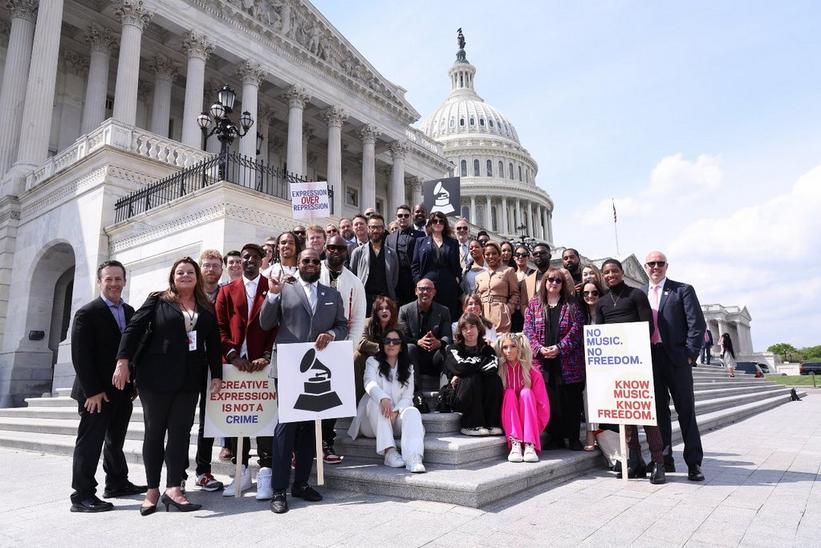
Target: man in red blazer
246	346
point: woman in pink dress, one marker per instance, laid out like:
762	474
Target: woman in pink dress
525	408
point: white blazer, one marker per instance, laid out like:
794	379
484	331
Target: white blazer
377	388
353	300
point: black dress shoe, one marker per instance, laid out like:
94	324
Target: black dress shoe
306	492
694	473
148	510
184	507
91	504
279	504
657	476
420	404
669	465
125	490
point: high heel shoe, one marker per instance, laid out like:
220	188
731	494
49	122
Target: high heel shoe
188	507
148	510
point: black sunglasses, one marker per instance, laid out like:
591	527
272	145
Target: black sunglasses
522	254
391	341
593	293
656	264
555	280
314	262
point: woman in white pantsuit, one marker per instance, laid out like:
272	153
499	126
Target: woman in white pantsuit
387	407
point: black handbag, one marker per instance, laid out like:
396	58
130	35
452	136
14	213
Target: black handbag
446	398
145	342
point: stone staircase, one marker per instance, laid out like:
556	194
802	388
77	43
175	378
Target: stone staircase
461	470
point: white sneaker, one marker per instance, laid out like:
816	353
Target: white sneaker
264	490
414	464
495	431
393	458
475	431
530	453
245	481
515	451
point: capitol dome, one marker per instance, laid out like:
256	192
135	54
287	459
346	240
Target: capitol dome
498	175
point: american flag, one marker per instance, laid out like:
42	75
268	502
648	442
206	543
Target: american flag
614	210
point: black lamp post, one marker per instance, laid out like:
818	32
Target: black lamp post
223	127
524	239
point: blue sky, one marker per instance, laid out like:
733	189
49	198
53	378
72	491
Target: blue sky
701	119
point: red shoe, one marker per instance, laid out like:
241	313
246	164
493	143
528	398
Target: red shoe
329	455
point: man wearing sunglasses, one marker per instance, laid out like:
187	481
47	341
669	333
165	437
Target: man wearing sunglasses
403	242
463	239
675	345
304	311
530	285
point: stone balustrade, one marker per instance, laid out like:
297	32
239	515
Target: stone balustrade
419	138
120	136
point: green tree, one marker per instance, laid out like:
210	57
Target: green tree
811	352
787	351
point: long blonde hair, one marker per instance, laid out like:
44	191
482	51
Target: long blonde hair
525	357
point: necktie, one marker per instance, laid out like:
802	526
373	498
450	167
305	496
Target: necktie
654	305
312	296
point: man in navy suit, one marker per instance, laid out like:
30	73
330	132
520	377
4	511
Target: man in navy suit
104	410
675	343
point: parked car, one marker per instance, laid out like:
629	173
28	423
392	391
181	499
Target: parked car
758	369
810	367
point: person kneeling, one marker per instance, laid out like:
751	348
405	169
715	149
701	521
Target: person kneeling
525	407
387	407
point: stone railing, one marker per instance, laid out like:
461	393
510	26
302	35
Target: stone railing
419	138
117	135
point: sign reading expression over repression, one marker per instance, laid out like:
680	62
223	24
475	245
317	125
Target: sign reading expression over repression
619	374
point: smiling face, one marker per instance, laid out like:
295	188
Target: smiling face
251	260
360	228
419	214
462	230
570	260
425	292
346	228
492	256
286	246
309	265
612	274
316	240
473	304
656	266
185	277
112	282
590	294
521	256
507	252
376	230
403	216
475	250
392	344
234	266
588	274
211	270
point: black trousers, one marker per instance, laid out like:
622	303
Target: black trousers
102	432
295	438
169	413
566	408
425	363
674	380
328	431
479	398
264	444
205	446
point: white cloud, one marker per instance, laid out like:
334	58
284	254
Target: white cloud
676	176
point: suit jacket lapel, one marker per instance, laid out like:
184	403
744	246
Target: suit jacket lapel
665	292
259	298
303	297
242	297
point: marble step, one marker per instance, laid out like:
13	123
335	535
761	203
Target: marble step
454	450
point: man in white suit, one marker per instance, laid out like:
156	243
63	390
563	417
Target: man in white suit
304	311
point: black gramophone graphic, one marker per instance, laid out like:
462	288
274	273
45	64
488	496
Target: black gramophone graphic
318	395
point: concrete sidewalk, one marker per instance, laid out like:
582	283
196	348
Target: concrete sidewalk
762	489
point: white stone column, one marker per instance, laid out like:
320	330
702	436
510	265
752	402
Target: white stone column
505	227
15	78
307	134
35	126
368	133
102	42
519	218
488	214
263	125
251	75
473	218
164	72
335	117
135	19
198	49
399	151
297	97
69	100
550	226
417	191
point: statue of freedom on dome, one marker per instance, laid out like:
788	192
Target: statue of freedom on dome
460	38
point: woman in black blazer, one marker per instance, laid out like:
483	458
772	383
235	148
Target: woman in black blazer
184	344
436	257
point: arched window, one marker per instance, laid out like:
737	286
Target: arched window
461	122
482	122
501	169
464	166
472	121
520	173
452	121
475	168
489	168
493	223
510	169
466	212
490	122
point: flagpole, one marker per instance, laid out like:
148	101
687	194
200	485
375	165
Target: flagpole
615	227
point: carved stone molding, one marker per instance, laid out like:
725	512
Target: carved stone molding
100	38
197	45
250	73
23	9
369	133
73	62
307	134
163	67
297	96
399	149
335	116
133	12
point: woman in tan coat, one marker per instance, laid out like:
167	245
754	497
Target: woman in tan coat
498	288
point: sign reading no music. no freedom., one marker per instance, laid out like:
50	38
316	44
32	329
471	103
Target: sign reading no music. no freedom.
310	200
246	405
619	374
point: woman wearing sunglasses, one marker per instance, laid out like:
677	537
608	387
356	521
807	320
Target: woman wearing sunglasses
591	292
554	325
436	257
387	408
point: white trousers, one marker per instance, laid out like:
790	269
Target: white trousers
408	425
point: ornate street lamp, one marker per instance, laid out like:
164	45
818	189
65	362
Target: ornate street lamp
524	239
218	116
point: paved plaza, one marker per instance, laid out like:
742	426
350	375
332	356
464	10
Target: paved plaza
762	489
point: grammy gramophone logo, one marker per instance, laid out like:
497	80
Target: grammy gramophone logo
317	394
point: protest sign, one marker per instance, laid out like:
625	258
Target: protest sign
619	374
310	200
246	405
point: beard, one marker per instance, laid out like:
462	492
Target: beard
309	277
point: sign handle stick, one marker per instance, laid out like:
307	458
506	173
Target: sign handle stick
623	448
238	471
320	464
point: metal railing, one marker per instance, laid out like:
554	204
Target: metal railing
232	168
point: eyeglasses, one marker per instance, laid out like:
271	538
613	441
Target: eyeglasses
437	221
555	280
539	253
593	293
424	289
656	264
461	229
402	215
211	266
391	341
299	232
332	231
336	248
522	254
306	262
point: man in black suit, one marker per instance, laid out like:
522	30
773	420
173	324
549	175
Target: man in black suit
304	311
675	344
104	410
403	241
426	326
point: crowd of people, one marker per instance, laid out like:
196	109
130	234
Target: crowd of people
493	329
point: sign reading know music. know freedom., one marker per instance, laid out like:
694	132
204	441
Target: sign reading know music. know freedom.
246	405
315	384
310	200
619	374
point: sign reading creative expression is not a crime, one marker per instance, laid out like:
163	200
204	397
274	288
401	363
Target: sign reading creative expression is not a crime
246	405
